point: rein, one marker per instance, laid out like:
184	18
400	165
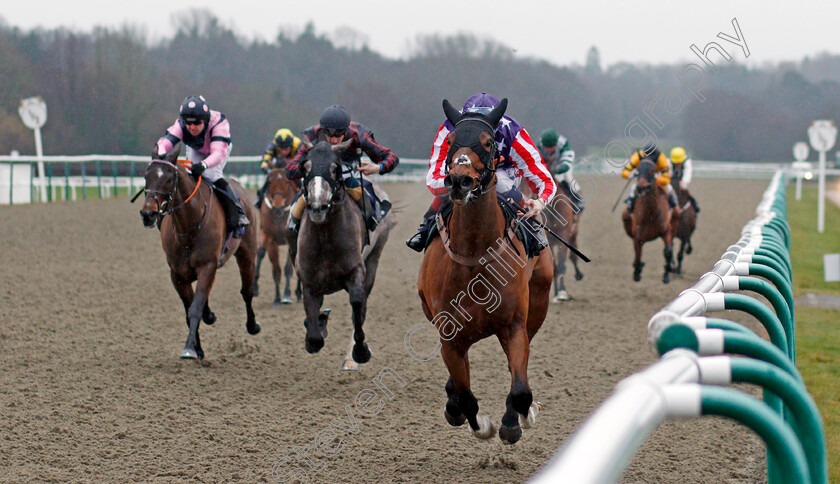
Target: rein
163	209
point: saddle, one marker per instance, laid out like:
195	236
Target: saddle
444	215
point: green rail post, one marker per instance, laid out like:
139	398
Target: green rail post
66	181
99	177
746	283
764	315
84	185
114	169
49	182
806	416
11	183
781	441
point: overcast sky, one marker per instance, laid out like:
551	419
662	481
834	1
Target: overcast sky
561	32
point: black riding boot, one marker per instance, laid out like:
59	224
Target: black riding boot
234	212
417	242
694	203
538	240
673	201
631	202
261	195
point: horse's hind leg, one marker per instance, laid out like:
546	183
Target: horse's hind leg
247	267
276	271
560	293
637	262
574	258
288	271
678	269
260	256
515	342
459	370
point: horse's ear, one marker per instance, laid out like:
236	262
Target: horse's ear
172	155
307	166
496	114
452	114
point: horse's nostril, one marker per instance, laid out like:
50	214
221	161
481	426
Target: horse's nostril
447	182
466	183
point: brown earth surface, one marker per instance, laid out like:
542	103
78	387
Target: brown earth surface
92	390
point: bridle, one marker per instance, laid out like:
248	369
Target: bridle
486	174
163	207
339	191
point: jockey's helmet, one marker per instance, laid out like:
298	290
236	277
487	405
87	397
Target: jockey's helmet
678	155
480	102
549	138
284	138
195	108
335	117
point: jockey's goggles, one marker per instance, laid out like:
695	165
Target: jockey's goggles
193	121
335	133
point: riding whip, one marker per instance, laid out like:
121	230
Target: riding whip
541	225
629	179
137	195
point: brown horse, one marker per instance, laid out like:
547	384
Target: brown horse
688	218
273	215
332	253
477	282
651	219
193	234
563	219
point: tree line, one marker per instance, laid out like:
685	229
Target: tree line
112	92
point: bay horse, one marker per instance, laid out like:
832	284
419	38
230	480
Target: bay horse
652	218
688	217
273	215
331	251
479	282
193	233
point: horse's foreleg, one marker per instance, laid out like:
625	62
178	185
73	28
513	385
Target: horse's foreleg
245	261
312	305
358	301
206	275
288	271
260	255
668	253
276	270
459	372
185	291
678	269
560	293
516	345
637	262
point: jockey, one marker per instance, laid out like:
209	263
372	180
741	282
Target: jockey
335	127
652	153
206	134
277	154
517	156
682	167
559	157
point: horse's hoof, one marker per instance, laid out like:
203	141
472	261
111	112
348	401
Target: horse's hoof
253	329
666	279
510	435
676	270
578	276
322	322
361	353
314	345
637	277
531	419
210	319
486	429
256	291
689	249
188	354
453	421
561	296
286	300
277	303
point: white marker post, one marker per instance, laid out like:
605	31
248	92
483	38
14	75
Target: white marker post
33	113
822	135
800	154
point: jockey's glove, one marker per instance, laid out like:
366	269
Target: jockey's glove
198	168
265	168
